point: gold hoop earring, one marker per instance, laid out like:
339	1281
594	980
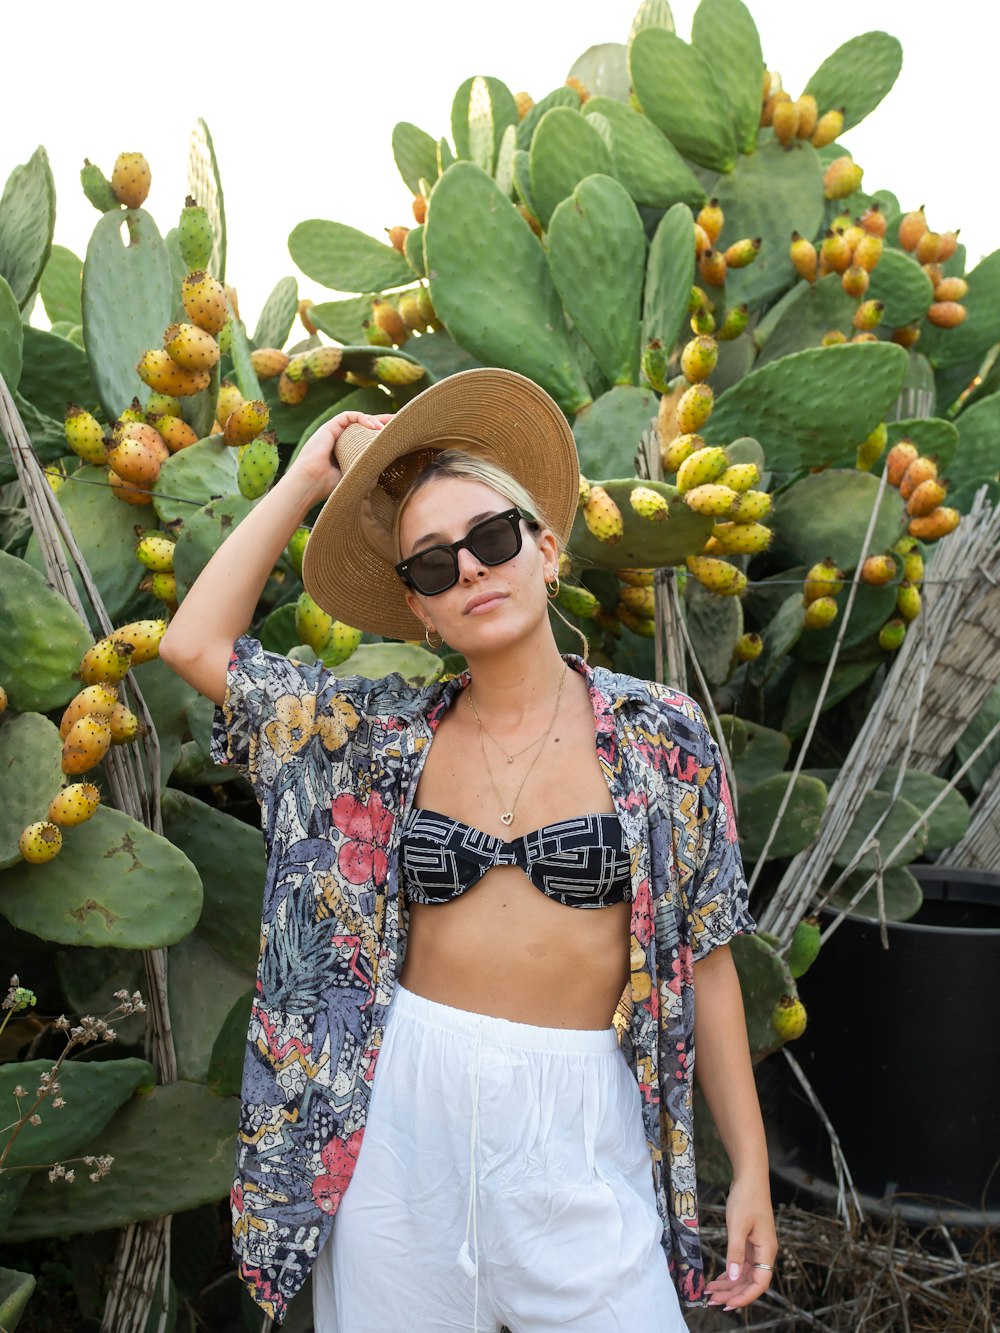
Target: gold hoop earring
549	589
428	631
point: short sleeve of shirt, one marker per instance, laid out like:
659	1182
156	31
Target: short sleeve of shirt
718	902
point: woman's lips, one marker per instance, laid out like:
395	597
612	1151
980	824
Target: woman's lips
485	605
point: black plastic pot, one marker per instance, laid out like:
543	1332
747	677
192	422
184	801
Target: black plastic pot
903	1049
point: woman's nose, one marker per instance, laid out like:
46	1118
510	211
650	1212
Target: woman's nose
468	566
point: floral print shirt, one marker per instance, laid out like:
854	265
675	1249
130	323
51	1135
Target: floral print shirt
334	762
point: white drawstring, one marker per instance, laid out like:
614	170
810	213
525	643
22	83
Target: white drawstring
468	1264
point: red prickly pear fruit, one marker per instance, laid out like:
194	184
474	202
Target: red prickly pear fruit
824	579
290	391
419	207
872	220
131	179
949	244
397	237
785	121
84	435
98	700
191	347
74	804
39	842
947	314
926	498
602	516
734	324
898	459
836	252
176	434
134	463
144	637
712	267
878	570
867	252
161	372
938	523
268	362
855	280
694	407
702	241
908	336
920	469
928	248
951	289
892	634
820	613
868	315
711	220
204	300
743	252
718	575
524	102
808	116
246	422
911	228
86	744
142	432
698	359
387	317
128	491
748	647
97	187
828	128
803	256
908	600
832	338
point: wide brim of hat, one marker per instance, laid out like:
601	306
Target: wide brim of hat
488	412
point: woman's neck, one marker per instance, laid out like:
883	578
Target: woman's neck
517	685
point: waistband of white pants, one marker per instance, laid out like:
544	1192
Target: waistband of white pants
501	1032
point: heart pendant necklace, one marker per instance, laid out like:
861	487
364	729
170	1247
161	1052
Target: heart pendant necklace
507	816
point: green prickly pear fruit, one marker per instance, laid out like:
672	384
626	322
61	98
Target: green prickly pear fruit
803	255
161	372
804	946
835	253
868	252
789	1016
296	548
258	467
892	634
87	742
751	507
343	641
712	267
808	116
855	280
312	624
296	368
904	546
878	570
711	219
868	315
144	637
734	324
584	492
694	408
291	392
107	662
175	433
191	347
870	449
204	300
396	370
95	700
655	363
84	435
710	498
133	413
819	613
322	362
740	477
124	724
427	307
743	252
911	227
162	405
268	362
134	463
577	600
376	337
155	552
832	338
163	587
386	317
913	568
785	121
700	467
647	503
748	647
675	451
641	601
908	600
97	187
717	575
641	625
698	359
245	422
702	323
698	301
602	516
828	128
636	578
194	234
131	179
74	804
40	842
823	580
742	538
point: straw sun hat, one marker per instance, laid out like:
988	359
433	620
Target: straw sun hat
497	414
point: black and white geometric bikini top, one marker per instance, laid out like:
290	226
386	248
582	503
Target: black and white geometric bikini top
580	862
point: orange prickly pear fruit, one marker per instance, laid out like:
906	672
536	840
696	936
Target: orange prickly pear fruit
951	289
304	306
602	516
892	634
934	272
836	252
675	451
176	434
718	575
144	636
124	724
751	507
524	102
868	251
949	244
785	121
711	219
832	337
74	804
938	523
808	116
143	433
386	317
134	463
748	647
878	569
3	699
828	128
928	248
291	391
926	497
819	613
743	252
268	362
647	503
694	408
703	323
666	411
699	358
229	400
908	600
39	842
712	267
908	336
246	422
734	324
702	466
742	538
823	580
86	744
872	220
898	459
578	87
855	280
128	491
870	449
84	435
322	362
636	578
397	237
131	179
946	314
204	300
710	499
868	315
107	662
921	469
702	240
191	347
911	228
161	372
740	477
98	700
803	256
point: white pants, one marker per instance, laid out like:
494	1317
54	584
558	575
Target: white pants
503	1178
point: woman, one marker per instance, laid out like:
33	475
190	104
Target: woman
422	909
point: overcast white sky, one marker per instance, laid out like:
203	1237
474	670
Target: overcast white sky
301	100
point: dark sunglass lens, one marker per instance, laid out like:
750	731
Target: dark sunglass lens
433	571
494	541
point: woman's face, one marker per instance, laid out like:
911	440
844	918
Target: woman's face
491	605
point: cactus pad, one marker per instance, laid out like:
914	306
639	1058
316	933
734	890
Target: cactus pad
203	989
341	257
758	752
192	477
934	436
608	432
11	337
799	824
344	321
502	111
726	35
558	97
902	286
764	978
203	533
903	896
873	606
30	775
564	150
827	514
857	76
644	160
669	275
949	822
27	221
42	642
60	285
278	314
902	816
800	699
799	320
375	660
415	154
204	183
225	1067
674	83
714	623
55	370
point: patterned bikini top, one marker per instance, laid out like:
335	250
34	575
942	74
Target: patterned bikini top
580	862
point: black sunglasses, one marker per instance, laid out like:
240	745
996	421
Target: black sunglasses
493	541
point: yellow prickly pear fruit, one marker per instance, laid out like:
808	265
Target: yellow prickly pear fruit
785	121
636	578
835	253
922	468
904	546
870	449
740	477
578	601
74	804
892	634
386	317
144	636
913	567
524	102
734	324
823	580
803	256
312	624
872	220
565	565
712	547
675	451
699	359
949	244
742	538
868	315
129	491
750	507
322	362
145	434
161	372
855	280
712	267
808	116
268	362
702	466
868	252
343	641
296	548
926	497
175	433
96	700
694	408
828	128
245	422
711	220
819	613
878	570
951	289
644	626
191	347
771	103
702	241
938	523
156	552
584	493
947	314
647	503
204	300
107	662
124	724
911	227
743	252
397	370
710	498
748	647
789	1018
697	301
602	516
163	587
134	463
805	946
832	338
641	601
131	179
718	575
852	234
702	323
40	842
229	400
84	435
410	312
928	248
427	308
161	405
898	460
908	600
87	742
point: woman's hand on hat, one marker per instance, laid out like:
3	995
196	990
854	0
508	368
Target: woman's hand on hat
317	462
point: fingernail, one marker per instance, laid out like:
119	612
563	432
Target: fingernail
734	1271
729	1307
